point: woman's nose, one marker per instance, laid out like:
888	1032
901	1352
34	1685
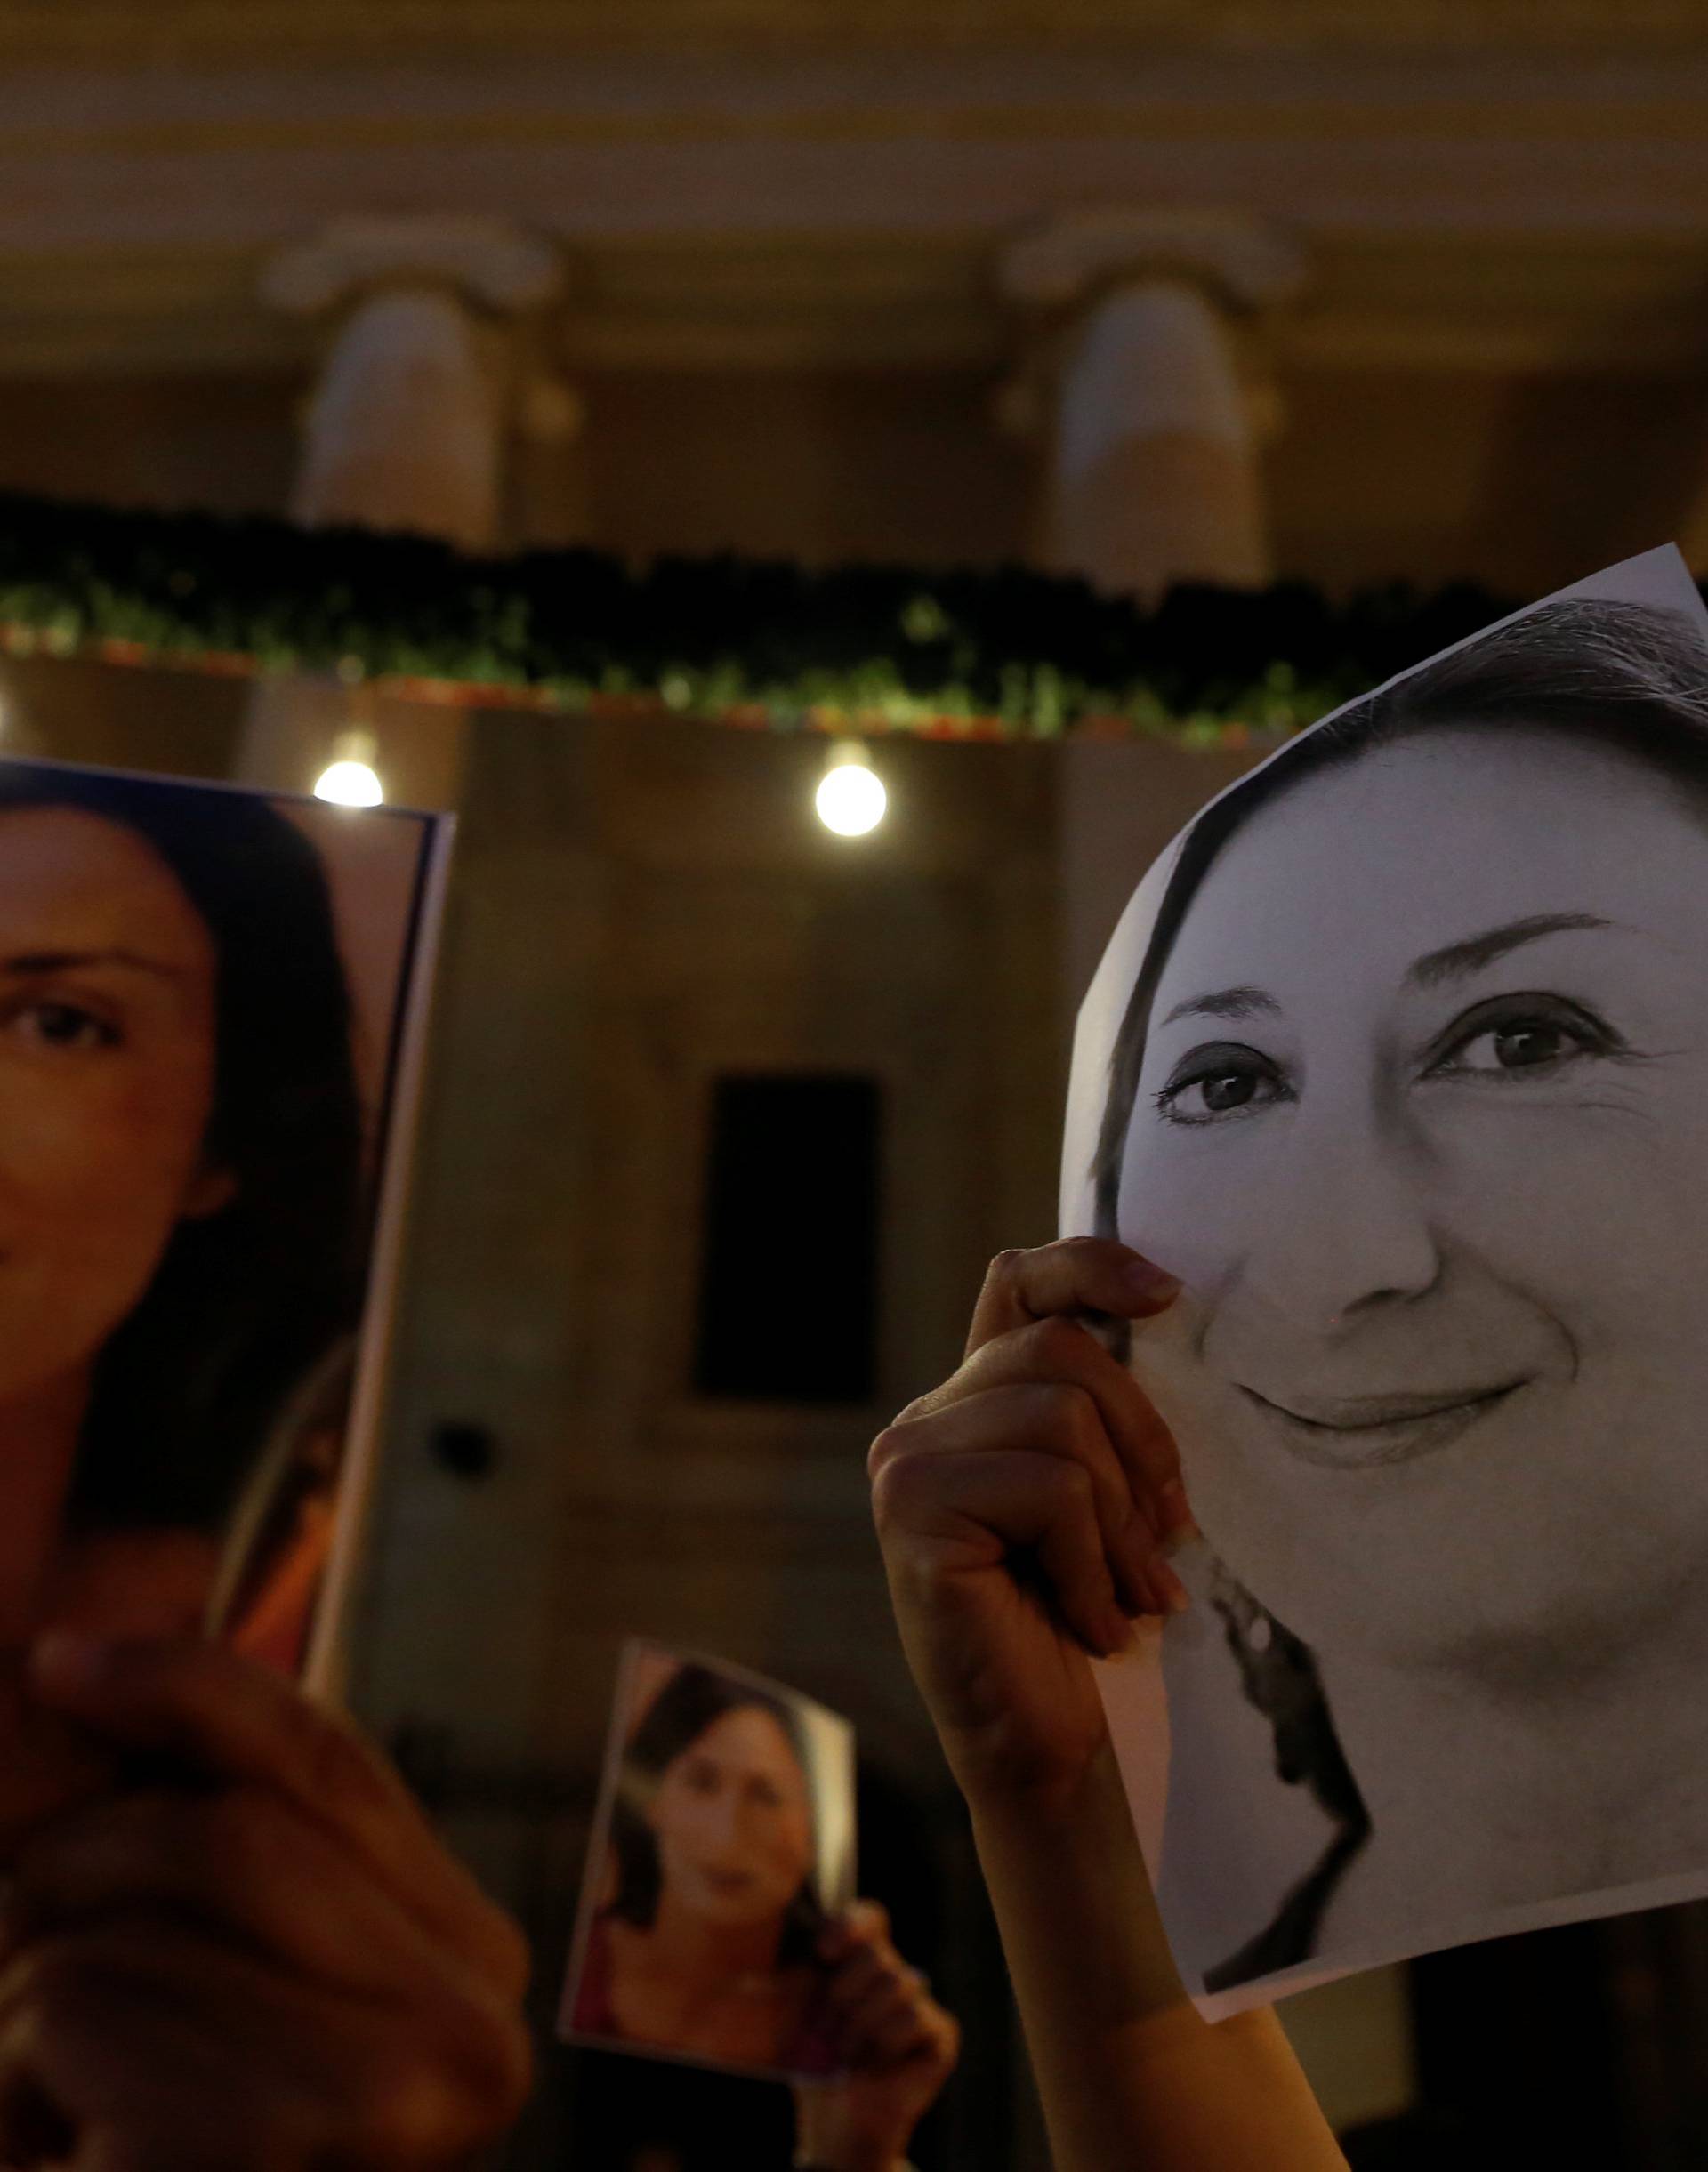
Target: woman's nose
1344	1226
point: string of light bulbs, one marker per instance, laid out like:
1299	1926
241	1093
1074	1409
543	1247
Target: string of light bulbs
350	778
851	800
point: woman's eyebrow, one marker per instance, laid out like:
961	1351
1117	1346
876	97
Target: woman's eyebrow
1225	1003
34	963
1455	961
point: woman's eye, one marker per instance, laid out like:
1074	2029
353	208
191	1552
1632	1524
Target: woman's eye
62	1025
1216	1083
1511	1042
1515	1047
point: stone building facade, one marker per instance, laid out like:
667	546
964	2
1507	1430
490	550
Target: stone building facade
1407	292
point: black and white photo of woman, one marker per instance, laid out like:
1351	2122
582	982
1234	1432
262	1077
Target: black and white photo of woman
1403	1070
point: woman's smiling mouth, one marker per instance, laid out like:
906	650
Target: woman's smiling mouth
1360	1432
728	1885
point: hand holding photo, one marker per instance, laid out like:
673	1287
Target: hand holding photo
1399	1060
722	1849
206	998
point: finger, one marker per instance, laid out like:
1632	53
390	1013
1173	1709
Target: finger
235	1722
48	1764
882	1998
943	1515
243	1867
893	2035
931	2035
861	1924
1078	1275
854	1979
902	2021
1056	1420
1034	1304
1063	1352
149	2034
864	1964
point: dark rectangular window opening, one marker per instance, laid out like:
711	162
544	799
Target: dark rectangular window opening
789	1299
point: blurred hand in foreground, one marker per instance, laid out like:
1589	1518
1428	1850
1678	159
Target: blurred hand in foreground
255	1955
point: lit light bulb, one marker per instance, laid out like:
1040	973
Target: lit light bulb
350	778
850	799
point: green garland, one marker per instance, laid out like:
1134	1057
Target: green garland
1008	653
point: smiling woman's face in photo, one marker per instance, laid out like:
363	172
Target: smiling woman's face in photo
733	1821
107	1074
1423	1123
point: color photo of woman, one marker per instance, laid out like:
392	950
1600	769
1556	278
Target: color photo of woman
722	1847
188	1175
1399	1060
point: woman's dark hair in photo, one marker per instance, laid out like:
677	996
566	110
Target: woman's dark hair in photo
1629	677
246	1300
694	1700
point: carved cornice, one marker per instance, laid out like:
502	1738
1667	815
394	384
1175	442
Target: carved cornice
1245	262
1509	304
496	265
798	209
109	30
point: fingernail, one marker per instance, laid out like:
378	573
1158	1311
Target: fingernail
1174	1511
1172	1589
1151	1284
1150	1595
65	1660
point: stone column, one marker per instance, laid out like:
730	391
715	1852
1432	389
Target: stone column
1153	425
1140	389
406	430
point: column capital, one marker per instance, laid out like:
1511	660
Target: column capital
499	268
1243	263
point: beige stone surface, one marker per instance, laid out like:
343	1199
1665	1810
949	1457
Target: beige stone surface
57	26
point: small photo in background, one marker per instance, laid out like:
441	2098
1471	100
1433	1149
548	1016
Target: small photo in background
723	1842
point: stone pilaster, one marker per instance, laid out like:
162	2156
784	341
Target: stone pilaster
1141	385
406	429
